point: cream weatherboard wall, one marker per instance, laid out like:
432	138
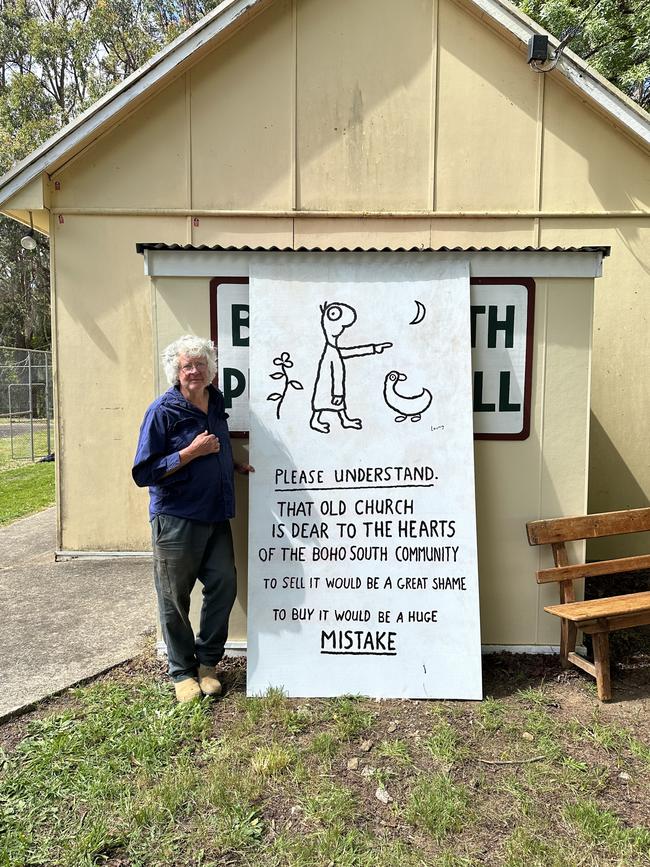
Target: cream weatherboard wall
425	116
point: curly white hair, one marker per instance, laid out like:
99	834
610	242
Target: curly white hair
192	347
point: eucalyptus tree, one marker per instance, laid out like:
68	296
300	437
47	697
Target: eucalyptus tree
56	58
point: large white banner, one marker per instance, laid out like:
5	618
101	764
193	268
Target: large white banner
362	549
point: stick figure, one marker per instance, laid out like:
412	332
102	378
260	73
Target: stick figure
329	387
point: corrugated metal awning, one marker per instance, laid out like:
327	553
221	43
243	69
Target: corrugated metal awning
188	260
141	247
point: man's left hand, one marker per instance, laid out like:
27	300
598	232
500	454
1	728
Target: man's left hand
244	469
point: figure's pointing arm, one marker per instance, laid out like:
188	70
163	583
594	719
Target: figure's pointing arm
364	349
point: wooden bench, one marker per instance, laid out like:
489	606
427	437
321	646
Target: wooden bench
596	617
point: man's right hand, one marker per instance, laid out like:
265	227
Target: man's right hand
203	444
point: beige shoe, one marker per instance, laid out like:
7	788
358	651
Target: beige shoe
208	680
187	690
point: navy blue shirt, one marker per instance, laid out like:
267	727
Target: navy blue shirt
202	490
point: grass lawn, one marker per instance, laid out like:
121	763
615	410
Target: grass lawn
25	490
24	487
537	775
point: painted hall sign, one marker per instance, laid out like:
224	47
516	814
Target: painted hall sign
501	319
362	568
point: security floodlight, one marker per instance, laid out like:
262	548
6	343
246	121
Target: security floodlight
28	241
538	49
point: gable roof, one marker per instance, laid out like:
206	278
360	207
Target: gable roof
227	18
168	63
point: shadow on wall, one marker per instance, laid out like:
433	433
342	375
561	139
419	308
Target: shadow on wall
613	486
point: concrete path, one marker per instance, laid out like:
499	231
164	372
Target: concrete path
63	622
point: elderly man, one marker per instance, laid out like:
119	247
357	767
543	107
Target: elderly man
184	456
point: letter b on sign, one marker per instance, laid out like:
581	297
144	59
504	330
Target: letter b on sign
240	317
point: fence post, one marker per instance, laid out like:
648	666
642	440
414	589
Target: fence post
47	406
11	422
31	405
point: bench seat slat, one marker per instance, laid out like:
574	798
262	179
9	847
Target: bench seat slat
592	570
588	526
597	609
611	624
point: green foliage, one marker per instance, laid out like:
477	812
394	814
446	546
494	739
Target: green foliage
24	284
56	59
613	37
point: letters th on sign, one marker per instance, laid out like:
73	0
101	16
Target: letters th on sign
502	318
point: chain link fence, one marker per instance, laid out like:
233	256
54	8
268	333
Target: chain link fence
26	404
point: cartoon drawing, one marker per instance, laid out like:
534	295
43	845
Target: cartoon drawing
406	406
419	314
329	388
284	361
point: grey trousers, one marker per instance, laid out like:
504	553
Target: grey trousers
185	551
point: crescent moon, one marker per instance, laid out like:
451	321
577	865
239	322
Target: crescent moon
420	314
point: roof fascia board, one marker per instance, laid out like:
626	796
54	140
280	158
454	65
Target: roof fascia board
596	88
224	17
208	263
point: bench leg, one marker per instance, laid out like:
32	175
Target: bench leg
601	661
568	634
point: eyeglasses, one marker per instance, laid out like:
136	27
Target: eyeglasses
195	365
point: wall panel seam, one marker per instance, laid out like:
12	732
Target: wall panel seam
435	101
294	106
539	153
189	166
542	343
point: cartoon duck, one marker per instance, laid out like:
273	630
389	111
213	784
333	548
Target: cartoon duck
406	406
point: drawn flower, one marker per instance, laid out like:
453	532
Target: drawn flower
284	361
